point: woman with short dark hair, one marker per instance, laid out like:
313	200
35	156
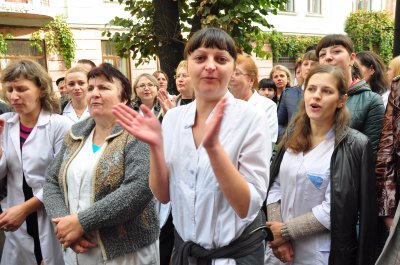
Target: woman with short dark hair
208	153
366	107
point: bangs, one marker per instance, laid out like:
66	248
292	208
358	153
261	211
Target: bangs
335	39
211	38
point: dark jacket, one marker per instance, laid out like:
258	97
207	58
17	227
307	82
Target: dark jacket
288	106
367	111
157	110
4	107
352	199
388	155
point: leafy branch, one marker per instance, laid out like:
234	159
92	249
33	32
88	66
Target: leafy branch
291	46
58	38
3	42
371	30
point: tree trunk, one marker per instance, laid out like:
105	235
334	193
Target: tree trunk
196	21
168	34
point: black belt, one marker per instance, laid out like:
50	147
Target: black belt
247	244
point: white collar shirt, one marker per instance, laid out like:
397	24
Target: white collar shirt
269	107
70	113
201	213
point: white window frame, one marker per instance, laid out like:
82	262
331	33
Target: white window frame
289	6
314	7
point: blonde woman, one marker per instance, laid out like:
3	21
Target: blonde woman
145	88
77	85
282	79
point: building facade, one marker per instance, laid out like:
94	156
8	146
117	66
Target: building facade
87	20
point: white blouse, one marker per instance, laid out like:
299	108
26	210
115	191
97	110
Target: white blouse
70	113
80	191
269	107
201	213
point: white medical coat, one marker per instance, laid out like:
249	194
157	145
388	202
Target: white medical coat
39	149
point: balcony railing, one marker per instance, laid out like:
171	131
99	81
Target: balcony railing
33	2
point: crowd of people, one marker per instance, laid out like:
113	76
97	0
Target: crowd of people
232	170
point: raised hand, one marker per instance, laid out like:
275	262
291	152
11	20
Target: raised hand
146	128
211	134
165	101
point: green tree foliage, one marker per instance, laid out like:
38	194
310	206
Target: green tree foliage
58	38
371	31
240	18
292	46
161	27
3	42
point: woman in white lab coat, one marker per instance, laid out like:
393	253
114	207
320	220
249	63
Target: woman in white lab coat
323	181
210	160
31	136
77	87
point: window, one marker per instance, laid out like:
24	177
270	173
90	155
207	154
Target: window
21	49
109	55
314	6
289	6
364	4
17	1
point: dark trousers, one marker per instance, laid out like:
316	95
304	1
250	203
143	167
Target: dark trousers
382	234
166	241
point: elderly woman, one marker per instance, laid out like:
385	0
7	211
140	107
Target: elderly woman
97	189
31	137
77	85
243	86
146	89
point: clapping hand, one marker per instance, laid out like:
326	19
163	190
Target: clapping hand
165	101
146	128
211	135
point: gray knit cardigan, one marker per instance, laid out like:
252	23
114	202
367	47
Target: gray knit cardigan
123	211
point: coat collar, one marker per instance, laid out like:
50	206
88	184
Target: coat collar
191	113
44	118
358	87
82	129
341	135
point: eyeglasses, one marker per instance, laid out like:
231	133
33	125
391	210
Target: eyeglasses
143	86
237	74
181	76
